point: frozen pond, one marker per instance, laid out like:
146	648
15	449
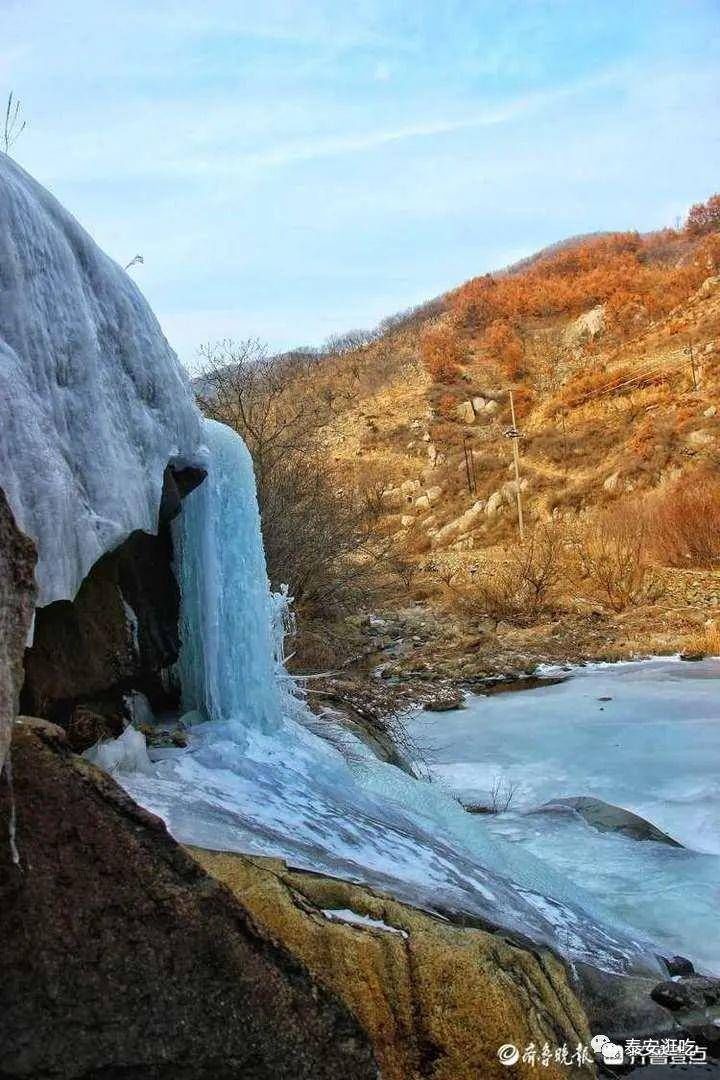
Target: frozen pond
644	736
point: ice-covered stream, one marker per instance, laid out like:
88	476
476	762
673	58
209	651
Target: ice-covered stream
256	778
643	736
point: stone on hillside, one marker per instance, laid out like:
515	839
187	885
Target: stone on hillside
612	483
494	503
460	524
17	604
434	494
422	502
465	412
491	408
478	404
407	520
710	412
509	490
709	287
587	326
392	498
409	487
701	437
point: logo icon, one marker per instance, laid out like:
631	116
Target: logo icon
612	1054
508	1054
598	1041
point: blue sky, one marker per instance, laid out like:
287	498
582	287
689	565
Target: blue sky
294	169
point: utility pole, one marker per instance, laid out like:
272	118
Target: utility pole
469	466
689	350
564	439
514	434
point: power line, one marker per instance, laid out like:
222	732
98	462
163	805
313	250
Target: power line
642	373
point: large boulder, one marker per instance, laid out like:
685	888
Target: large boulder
437	1000
122	958
17	602
606	817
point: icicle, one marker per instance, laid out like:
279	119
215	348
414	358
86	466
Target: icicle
12	823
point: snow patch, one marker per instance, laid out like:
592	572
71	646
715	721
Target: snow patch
345	915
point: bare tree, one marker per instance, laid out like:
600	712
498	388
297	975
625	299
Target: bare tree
317	534
14	124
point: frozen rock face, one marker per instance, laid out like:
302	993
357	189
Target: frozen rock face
17	600
94	401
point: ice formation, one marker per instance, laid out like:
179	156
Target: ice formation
644	736
94	402
256	779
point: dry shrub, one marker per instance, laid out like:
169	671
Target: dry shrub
623	378
441	354
706	642
502	345
518	586
682	520
612	559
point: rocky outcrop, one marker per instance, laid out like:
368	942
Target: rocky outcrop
122	959
119	635
609	818
437	1000
17	602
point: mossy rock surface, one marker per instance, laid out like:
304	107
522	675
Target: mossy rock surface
437	1000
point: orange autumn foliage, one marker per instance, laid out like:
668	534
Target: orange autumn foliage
441	354
635	277
503	346
704	217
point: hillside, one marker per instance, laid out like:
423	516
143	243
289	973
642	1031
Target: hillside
386	473
610	346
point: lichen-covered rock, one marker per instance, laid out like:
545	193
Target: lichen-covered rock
122	958
437	1000
17	602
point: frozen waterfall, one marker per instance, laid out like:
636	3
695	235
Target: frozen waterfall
256	779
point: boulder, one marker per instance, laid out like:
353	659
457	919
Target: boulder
688	992
122	958
609	818
17	603
494	503
701	437
434	494
509	490
422	502
392	498
708	288
587	326
465	412
436	999
409	487
478	404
